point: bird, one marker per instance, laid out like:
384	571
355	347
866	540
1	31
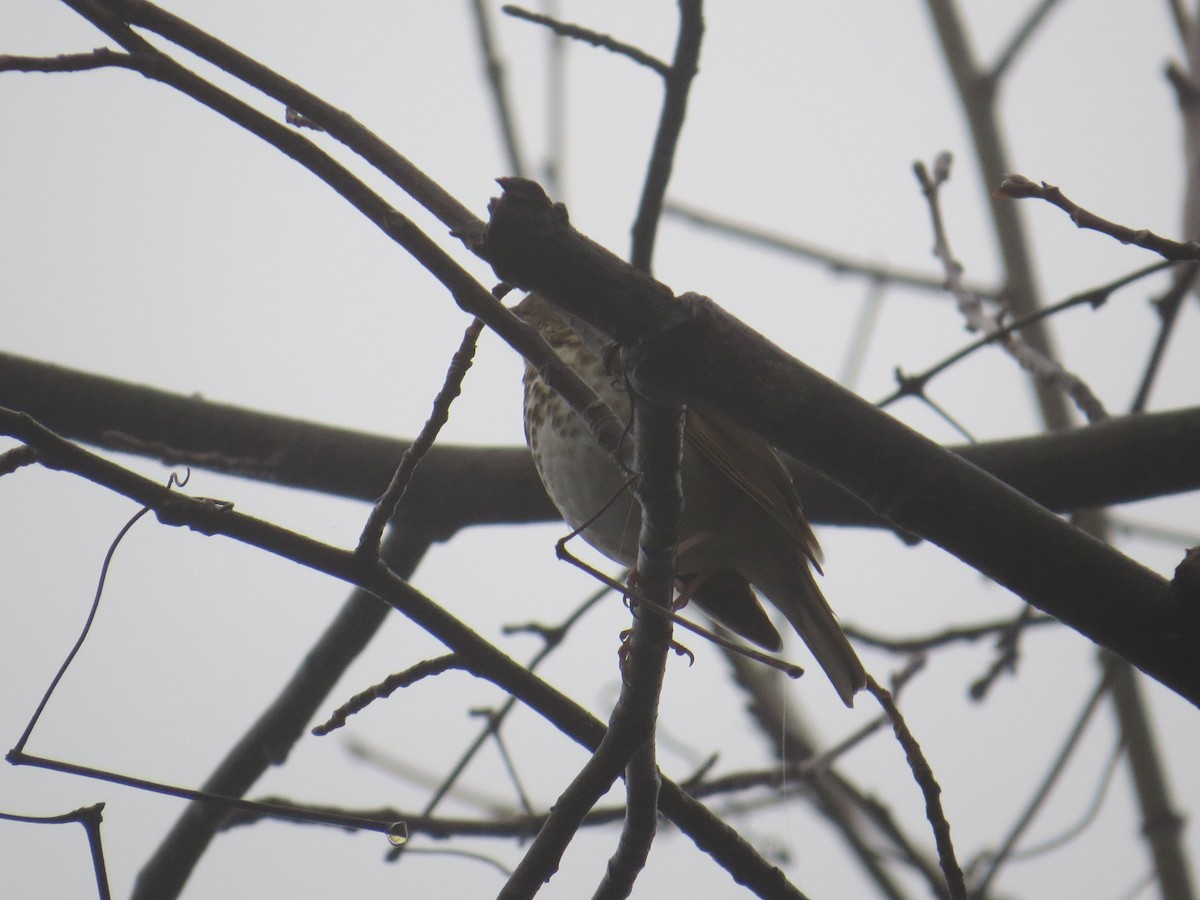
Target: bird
742	523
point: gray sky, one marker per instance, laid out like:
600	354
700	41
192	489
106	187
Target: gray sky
147	239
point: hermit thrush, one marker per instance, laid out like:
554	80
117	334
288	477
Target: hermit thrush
742	523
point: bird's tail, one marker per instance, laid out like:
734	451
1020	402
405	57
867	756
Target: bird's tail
799	598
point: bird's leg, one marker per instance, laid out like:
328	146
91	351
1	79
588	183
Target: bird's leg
633	597
623	649
687	585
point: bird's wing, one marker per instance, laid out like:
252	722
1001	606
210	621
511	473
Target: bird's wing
752	465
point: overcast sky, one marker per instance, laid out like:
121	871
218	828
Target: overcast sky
147	239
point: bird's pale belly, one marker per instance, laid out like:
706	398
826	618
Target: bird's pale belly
588	489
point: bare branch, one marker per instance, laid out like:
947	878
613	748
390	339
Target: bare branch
658	446
1020	39
914	385
1039	797
962	634
482	659
977	94
670	124
1046	370
385	507
1162	826
1018	187
929	787
1183	21
837	263
1168	307
908	479
90	818
360	701
1065	471
100	58
594	38
494	69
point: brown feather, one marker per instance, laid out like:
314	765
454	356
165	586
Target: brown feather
727	597
751	464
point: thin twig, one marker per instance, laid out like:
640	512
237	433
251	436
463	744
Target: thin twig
555	162
100	58
1168	311
787	668
385	508
1095	297
579	33
684	68
966	633
1039	796
840	802
978	94
494	69
1009	646
929	788
404	770
837	263
425	669
1038	364
1086	819
1183	21
553	638
334	818
485	660
510	767
1161	825
1020	39
640	826
506	823
87	624
1018	187
90	818
334	121
860	338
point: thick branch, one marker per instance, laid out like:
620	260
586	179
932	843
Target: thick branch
1117	461
720	363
